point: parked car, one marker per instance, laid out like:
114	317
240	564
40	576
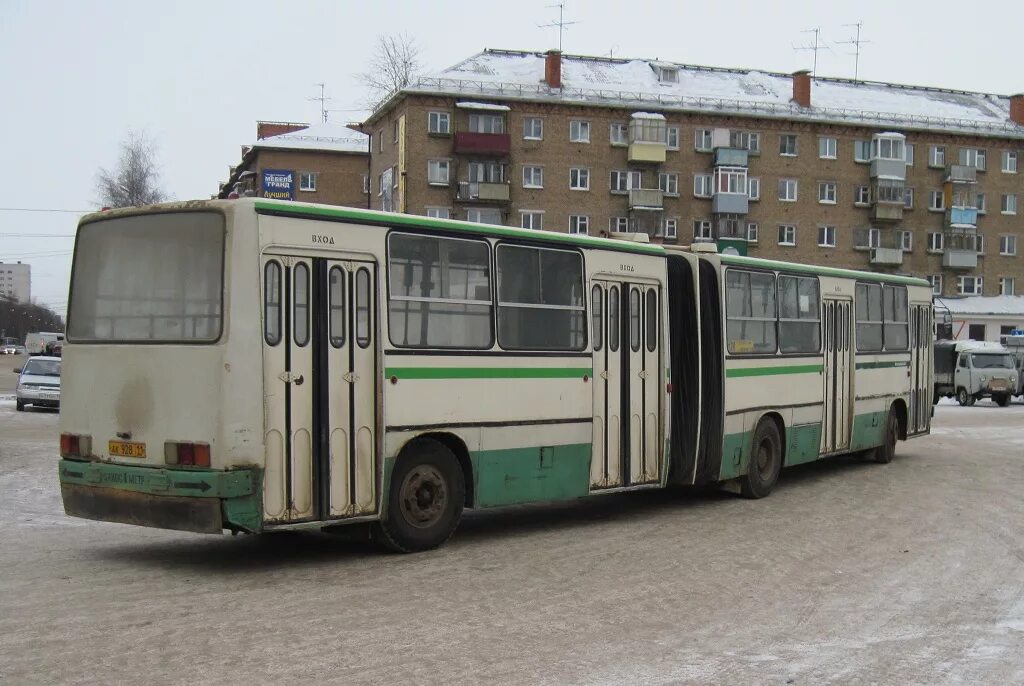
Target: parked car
19	350
971	370
39	383
9	350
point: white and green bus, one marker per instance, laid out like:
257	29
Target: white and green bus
253	365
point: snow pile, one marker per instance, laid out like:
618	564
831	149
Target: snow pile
328	136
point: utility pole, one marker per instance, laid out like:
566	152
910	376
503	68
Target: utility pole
322	100
856	42
561	23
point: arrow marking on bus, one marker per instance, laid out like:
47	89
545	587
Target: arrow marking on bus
200	486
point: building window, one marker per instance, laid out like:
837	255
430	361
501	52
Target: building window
886	148
702	185
753	229
745	140
395	136
936	201
731	180
439	123
669	183
668	75
979	203
973	157
1006	286
970	285
437	172
619	134
702	140
754	187
827	148
380	141
622	181
906	241
579	223
484	215
787	234
618	224
579	131
439	213
579	179
1009	162
1008	245
910	154
827	192
787	190
826	236
394	176
366	184
486	123
1008	204
908	198
533	129
889	191
979	243
787	144
670	227
862	151
532	219
533	176
934	241
862	196
702	230
307	181
486	172
672	137
936	281
937	156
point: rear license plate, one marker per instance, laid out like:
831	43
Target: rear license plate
126	449
50	396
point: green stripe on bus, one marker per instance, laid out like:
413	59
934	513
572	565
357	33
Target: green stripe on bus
771	371
882	365
488	372
413	221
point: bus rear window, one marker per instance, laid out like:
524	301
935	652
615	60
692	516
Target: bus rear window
154	278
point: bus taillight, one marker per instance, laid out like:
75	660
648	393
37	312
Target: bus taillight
75	445
188	454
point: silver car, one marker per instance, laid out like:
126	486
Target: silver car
8	350
39	383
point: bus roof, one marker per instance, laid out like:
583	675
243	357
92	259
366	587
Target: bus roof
739	260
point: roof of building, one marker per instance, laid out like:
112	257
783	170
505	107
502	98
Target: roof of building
617	82
984	305
324	137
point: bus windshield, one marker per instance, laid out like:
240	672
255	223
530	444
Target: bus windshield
992	361
148	278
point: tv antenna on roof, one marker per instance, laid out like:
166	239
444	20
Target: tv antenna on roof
561	23
322	99
818	45
856	42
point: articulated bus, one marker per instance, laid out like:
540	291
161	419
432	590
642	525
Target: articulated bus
254	365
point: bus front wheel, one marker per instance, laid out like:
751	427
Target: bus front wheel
765	461
425	498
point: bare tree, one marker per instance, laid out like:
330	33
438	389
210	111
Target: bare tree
136	179
394	65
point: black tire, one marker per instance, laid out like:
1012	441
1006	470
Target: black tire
1002	399
884	453
964	398
765	461
425	498
20	406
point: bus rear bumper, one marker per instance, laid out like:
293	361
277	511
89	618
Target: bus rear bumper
203	501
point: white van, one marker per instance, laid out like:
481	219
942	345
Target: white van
35	343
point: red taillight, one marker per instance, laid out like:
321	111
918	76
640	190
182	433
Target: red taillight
188	454
75	445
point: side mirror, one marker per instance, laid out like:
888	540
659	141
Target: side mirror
17	371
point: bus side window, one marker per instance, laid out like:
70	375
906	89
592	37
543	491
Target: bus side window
652	320
272	303
336	281
300	305
596	316
613	319
634	319
363	308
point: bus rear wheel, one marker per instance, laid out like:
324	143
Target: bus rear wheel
884	453
425	498
765	461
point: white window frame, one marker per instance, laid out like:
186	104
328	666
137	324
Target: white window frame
907	240
579	131
618	134
479	211
784	187
579	224
1006	285
754	187
670	227
434	119
937	156
790	235
830	192
434	174
977	285
1008	245
826	236
702	140
1008	203
668	182
307	181
827	147
909	148
439	212
980	203
533	217
936	242
529	132
579	178
668	74
672	137
1008	161
746	140
862	196
862	151
533	176
908	198
936	281
730	180
974	157
703	185
753	232
618	224
787	136
366	184
934	194
703	230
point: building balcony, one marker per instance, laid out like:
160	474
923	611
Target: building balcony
730	203
961	173
887	257
962	217
473	191
650	199
888	169
731	157
960	258
644	151
471	143
887	211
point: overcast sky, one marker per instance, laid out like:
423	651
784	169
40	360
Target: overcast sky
195	76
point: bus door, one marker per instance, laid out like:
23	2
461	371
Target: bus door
837	370
626	338
320	388
920	363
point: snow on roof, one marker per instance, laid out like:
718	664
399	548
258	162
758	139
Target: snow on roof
483	106
618	82
984	305
648	115
327	136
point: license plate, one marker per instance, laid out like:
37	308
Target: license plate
998	384
50	396
126	449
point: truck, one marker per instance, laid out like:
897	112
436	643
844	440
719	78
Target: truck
35	343
972	370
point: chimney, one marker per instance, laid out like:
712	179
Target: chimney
553	69
1017	109
802	88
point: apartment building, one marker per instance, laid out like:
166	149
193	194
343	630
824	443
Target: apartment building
862	175
324	163
16	281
